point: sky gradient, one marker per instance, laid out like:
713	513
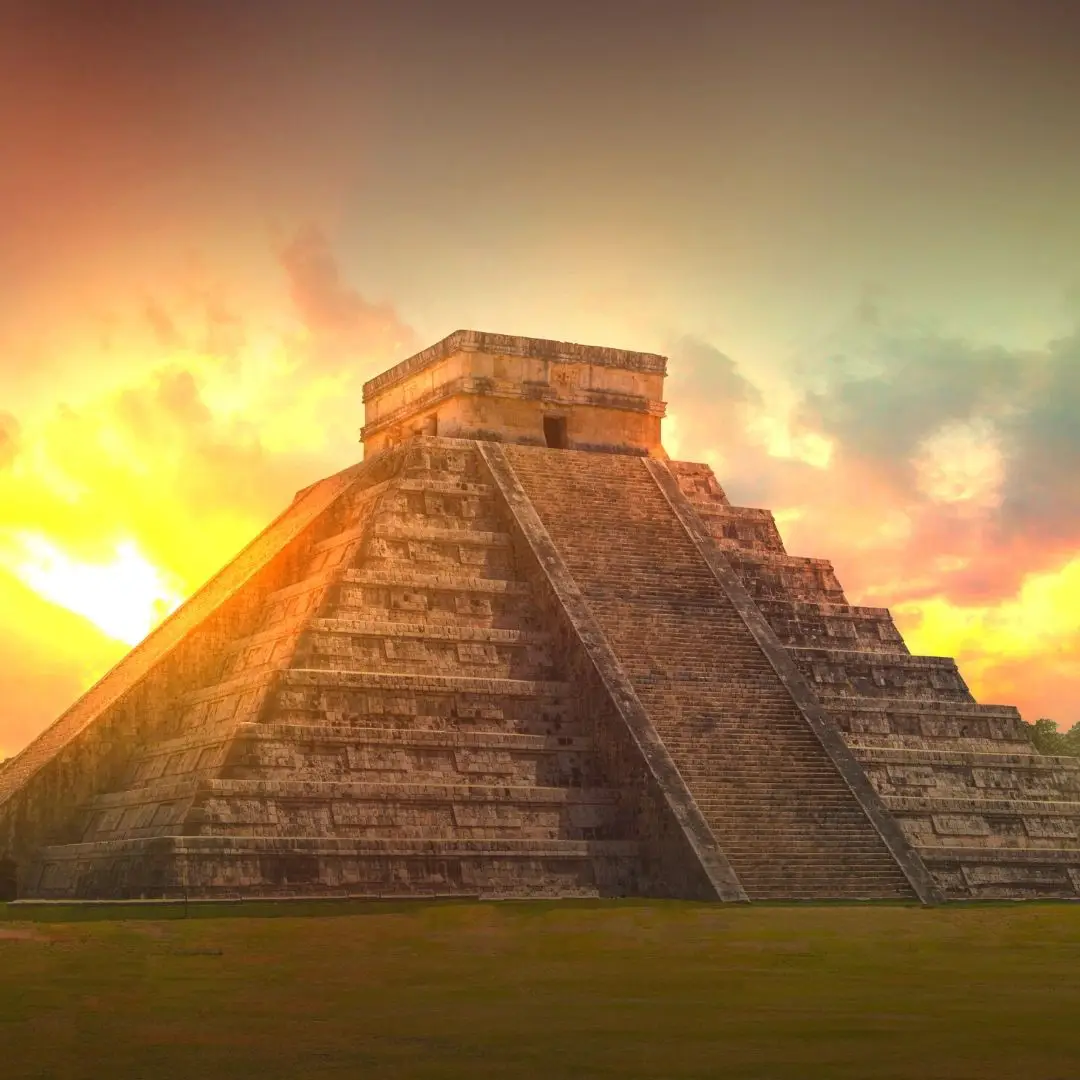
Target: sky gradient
854	228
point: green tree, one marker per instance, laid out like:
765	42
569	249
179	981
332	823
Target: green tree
1047	739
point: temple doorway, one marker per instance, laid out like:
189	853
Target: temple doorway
555	432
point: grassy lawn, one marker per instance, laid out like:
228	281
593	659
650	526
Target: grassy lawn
605	989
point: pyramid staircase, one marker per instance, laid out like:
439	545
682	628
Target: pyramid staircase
779	808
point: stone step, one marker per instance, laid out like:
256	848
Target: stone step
387	813
741	527
312	583
698	482
415	792
322	733
934	719
303	678
442	596
958	781
219	706
391	645
533	831
978	873
954	758
330	845
837	672
770	575
959	710
544	762
440	474
940	744
227	688
441	580
994	842
400	515
552	720
360	700
423	533
348	537
301	598
429	631
804	624
425	702
156	793
252	866
338	735
335	652
781	869
939	804
1007	856
445	486
752	855
383	639
437	556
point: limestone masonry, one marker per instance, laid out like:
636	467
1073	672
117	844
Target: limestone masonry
518	652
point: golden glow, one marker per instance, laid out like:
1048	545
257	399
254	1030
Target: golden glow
787	516
1040	622
125	597
670	437
781	441
962	463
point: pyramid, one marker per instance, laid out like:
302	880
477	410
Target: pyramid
518	652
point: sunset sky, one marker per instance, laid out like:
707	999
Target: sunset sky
853	227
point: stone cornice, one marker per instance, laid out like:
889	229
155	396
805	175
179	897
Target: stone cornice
509	345
600	398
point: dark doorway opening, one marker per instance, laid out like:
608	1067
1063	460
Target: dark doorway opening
8	881
555	432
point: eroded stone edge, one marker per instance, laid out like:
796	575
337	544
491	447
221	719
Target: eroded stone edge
818	720
654	754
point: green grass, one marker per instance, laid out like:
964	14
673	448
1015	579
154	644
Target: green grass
607	989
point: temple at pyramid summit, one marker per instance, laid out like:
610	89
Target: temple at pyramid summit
516	651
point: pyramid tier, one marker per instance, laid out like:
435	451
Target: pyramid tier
838	672
819	625
223	867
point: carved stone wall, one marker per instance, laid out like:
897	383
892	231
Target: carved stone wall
500	388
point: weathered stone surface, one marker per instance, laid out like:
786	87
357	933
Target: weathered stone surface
469	669
398	691
493	386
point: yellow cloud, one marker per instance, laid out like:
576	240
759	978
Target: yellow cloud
1040	622
781	440
125	596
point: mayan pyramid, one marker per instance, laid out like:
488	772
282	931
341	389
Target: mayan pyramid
518	652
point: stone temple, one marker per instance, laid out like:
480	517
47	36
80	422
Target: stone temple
516	651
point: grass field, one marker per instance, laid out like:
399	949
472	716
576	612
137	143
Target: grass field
605	989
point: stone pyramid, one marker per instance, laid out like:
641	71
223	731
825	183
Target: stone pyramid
519	652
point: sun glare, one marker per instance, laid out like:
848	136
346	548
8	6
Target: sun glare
125	597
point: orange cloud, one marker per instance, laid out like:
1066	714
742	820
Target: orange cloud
122	502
